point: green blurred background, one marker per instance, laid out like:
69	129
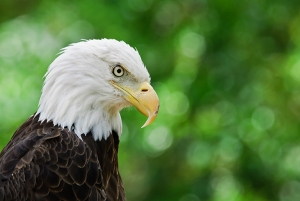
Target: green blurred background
227	73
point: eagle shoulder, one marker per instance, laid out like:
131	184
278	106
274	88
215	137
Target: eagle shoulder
47	162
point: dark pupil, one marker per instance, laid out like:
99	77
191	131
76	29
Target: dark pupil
119	71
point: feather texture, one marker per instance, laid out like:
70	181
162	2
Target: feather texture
47	162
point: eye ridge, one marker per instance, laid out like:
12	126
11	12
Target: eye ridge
118	71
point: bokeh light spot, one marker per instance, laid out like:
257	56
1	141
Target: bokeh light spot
192	44
10	45
226	187
292	160
177	103
263	118
228	111
157	140
295	71
199	154
230	148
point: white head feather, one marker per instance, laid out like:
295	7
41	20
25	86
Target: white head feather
77	90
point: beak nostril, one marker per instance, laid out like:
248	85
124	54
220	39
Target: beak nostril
144	90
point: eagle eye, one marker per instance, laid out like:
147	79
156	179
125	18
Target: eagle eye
118	71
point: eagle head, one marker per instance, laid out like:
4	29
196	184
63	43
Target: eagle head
88	84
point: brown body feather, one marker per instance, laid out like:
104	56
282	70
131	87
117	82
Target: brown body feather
47	162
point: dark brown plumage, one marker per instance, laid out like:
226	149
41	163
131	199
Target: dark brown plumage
47	162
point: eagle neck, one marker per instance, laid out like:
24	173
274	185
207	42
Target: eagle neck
98	121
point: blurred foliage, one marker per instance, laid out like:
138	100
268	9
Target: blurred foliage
227	74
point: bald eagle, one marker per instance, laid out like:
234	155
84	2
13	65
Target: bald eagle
68	149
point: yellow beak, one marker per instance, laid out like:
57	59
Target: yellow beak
144	99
